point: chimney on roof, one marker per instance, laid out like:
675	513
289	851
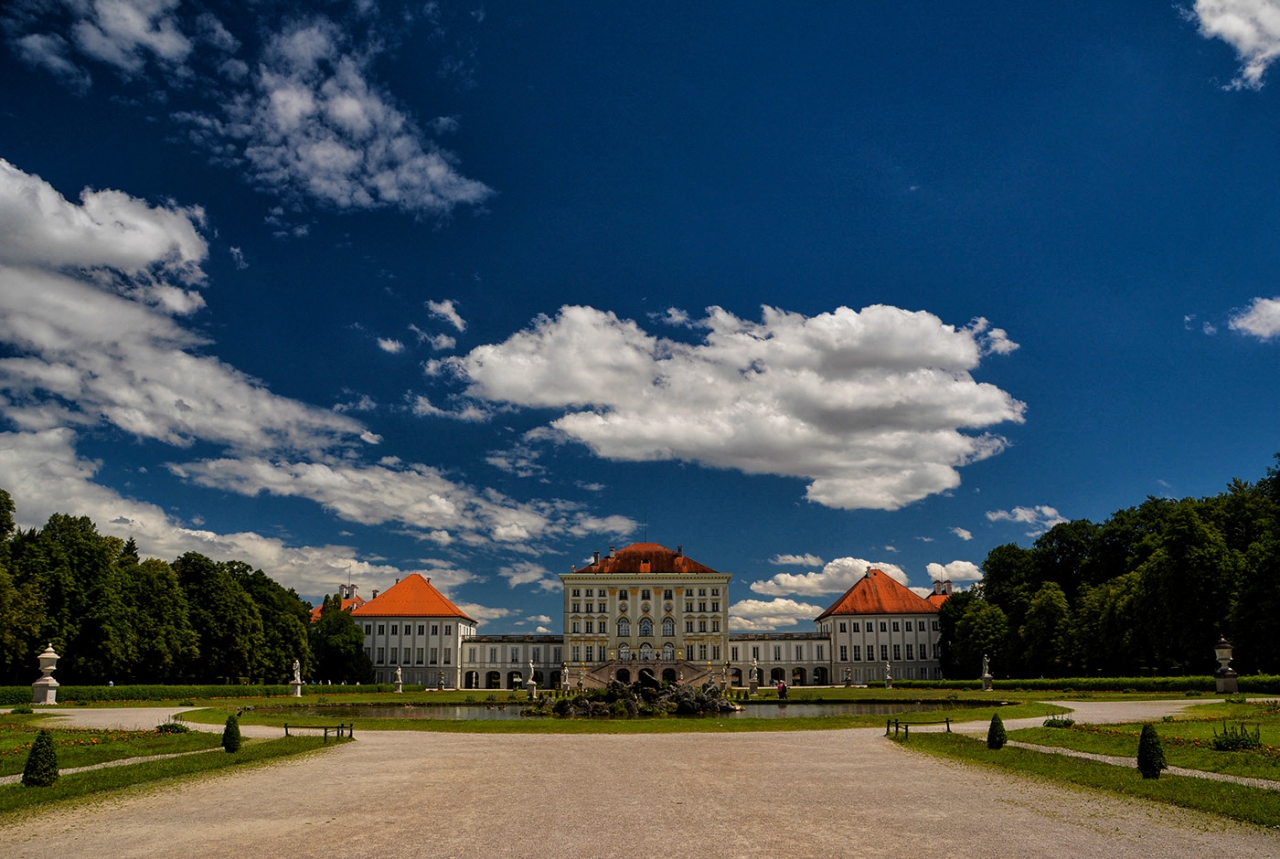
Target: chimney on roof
610	551
680	551
375	593
597	554
942	587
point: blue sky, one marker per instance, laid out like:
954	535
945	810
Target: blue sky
476	289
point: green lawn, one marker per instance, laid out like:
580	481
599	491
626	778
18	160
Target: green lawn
78	747
1249	804
16	798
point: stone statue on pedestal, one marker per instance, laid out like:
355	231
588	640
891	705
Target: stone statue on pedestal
297	672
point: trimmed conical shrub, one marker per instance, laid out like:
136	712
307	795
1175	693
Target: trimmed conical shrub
995	734
231	735
1150	753
42	764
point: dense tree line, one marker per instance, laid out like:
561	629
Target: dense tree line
116	617
1147	591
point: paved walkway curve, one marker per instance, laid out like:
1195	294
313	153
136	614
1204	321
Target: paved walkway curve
482	796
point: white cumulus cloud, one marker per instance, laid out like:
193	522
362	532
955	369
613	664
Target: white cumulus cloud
1261	319
836	577
446	311
386	344
805	560
956	571
762	615
962	533
869	406
1252	27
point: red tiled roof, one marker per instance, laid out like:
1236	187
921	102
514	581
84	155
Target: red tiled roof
936	599
645	558
346	605
412	596
877	593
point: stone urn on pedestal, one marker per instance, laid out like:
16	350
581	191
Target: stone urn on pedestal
45	689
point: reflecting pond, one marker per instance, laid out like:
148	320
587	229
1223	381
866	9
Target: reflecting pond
511	710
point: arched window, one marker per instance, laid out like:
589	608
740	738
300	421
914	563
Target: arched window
624	652
668	627
668	651
646	628
646	651
624	628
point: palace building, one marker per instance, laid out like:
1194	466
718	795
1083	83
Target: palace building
648	609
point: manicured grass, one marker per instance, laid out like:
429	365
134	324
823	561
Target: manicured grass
672	724
79	747
17	798
1186	744
1249	804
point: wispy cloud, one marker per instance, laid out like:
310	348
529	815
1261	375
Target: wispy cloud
796	560
962	533
1041	518
446	311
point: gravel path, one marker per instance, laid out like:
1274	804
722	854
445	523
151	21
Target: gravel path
796	794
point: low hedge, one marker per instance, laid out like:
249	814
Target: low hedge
1256	683
14	695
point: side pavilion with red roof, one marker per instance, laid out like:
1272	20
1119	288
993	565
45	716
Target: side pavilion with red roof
879	626
414	629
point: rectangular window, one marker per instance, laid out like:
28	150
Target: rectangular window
435	629
688	626
515	654
555	654
688	606
897	653
702	592
382	629
577	607
537	654
575	592
393	629
577	626
688	652
799	652
909	656
919	626
590	653
448	655
871	653
855	627
666	595
382	655
395	651
857	653
715	606
577	653
755	652
590	592
895	626
819	648
419	655
601	607
934	626
471	654
368	629
702	606
644	594
715	592
702	651
842	627
884	653
493	654
733	653
591	627
702	626
844	653
883	626
715	624
777	653
434	655
448	629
